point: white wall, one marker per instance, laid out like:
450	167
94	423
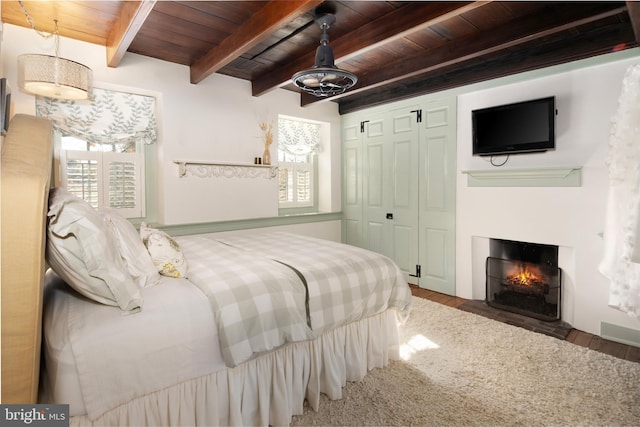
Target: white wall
571	217
215	120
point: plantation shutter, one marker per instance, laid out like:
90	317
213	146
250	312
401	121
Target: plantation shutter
303	183
285	184
105	179
82	179
123	175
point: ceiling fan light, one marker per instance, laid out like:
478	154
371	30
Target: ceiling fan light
329	77
53	77
311	81
324	81
324	78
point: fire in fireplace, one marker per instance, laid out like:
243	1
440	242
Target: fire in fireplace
527	278
524	278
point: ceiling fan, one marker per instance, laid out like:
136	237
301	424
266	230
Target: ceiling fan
324	78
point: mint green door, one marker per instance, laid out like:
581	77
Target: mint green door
438	197
352	228
390	182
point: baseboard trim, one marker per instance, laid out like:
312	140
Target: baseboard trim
620	334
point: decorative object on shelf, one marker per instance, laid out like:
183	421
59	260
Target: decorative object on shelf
52	76
267	128
324	78
225	170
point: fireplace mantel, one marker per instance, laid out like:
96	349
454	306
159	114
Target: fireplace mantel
540	177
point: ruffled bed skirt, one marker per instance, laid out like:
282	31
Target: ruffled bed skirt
269	389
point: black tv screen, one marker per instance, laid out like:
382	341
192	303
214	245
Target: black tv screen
522	127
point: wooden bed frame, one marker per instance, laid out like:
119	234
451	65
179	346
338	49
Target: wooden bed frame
27	153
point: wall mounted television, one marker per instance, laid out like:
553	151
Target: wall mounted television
522	127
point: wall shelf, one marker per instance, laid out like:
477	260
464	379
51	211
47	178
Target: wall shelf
542	177
223	169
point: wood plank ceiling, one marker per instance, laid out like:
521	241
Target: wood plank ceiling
397	49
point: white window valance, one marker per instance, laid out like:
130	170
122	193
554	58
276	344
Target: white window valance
297	137
108	117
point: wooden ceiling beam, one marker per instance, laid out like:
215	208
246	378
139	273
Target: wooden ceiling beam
125	27
272	17
392	26
557	50
471	47
633	7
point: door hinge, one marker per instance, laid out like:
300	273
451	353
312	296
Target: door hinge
418	115
417	271
362	126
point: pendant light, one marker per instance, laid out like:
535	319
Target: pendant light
52	76
324	78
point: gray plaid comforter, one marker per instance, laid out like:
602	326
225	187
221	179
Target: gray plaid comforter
272	288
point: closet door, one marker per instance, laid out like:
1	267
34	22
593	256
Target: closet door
390	187
438	197
352	227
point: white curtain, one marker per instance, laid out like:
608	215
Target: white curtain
108	117
298	138
621	260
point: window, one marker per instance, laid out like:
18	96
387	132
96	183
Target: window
295	183
298	143
105	175
101	145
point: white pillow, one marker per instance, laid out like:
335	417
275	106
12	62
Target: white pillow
165	252
83	252
133	252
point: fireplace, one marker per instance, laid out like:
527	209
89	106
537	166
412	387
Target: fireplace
524	278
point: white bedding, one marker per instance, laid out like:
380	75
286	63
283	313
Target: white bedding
258	303
266	390
345	282
116	368
271	288
179	342
269	389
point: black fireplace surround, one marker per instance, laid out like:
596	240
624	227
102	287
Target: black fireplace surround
524	278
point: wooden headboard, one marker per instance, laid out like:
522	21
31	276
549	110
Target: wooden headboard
27	153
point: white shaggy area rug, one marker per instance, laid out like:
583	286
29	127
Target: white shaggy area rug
461	369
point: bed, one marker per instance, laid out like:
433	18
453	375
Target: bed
233	329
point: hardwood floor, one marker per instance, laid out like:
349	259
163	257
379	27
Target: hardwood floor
574	336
